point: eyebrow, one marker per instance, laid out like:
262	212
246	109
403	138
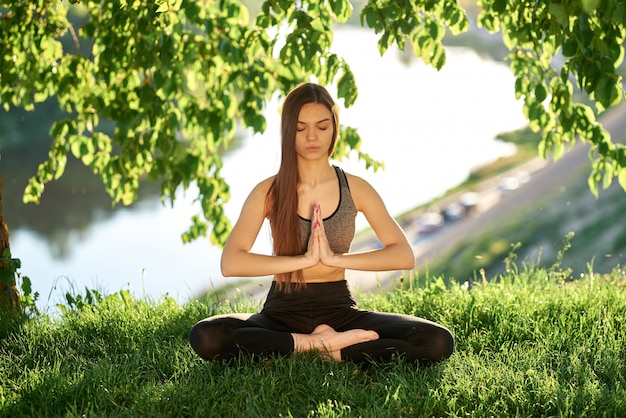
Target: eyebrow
319	121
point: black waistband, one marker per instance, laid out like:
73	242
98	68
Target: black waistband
328	294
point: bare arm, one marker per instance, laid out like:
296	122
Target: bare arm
396	254
237	260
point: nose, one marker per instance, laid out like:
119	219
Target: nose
311	134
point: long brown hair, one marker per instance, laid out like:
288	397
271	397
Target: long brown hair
282	197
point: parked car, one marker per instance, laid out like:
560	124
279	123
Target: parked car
508	184
523	177
453	211
469	201
429	222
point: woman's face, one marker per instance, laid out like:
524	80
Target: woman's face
314	132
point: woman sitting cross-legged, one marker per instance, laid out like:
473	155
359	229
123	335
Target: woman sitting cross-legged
311	206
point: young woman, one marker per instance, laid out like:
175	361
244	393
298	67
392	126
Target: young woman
311	206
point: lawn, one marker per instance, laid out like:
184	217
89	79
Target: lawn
531	342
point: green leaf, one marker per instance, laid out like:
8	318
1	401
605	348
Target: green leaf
558	148
608	175
318	25
621	177
26	286
540	93
163	6
569	48
620	14
438	56
607	92
593	180
368	17
499	6
435	30
76	146
560	14
342	10
590	6
347	88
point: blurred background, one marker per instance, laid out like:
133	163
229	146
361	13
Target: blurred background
433	130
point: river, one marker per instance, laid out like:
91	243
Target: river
430	128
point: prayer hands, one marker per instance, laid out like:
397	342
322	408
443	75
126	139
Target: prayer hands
318	247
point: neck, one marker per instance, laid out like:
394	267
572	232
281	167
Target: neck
312	172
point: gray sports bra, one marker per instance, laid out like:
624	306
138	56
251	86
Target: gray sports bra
339	226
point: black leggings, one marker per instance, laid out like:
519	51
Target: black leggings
301	311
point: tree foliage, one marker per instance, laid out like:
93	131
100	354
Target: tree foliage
177	78
587	36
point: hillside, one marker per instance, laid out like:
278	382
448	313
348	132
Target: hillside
551	217
567	225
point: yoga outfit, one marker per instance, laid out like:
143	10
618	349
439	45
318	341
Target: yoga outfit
339	226
301	311
303	308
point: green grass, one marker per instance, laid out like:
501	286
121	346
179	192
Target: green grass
529	343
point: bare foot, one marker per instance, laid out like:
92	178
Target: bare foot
326	340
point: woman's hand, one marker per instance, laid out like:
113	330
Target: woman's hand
318	247
313	248
326	254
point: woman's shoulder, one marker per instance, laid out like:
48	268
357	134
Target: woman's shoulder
364	195
357	182
257	198
263	186
266	183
